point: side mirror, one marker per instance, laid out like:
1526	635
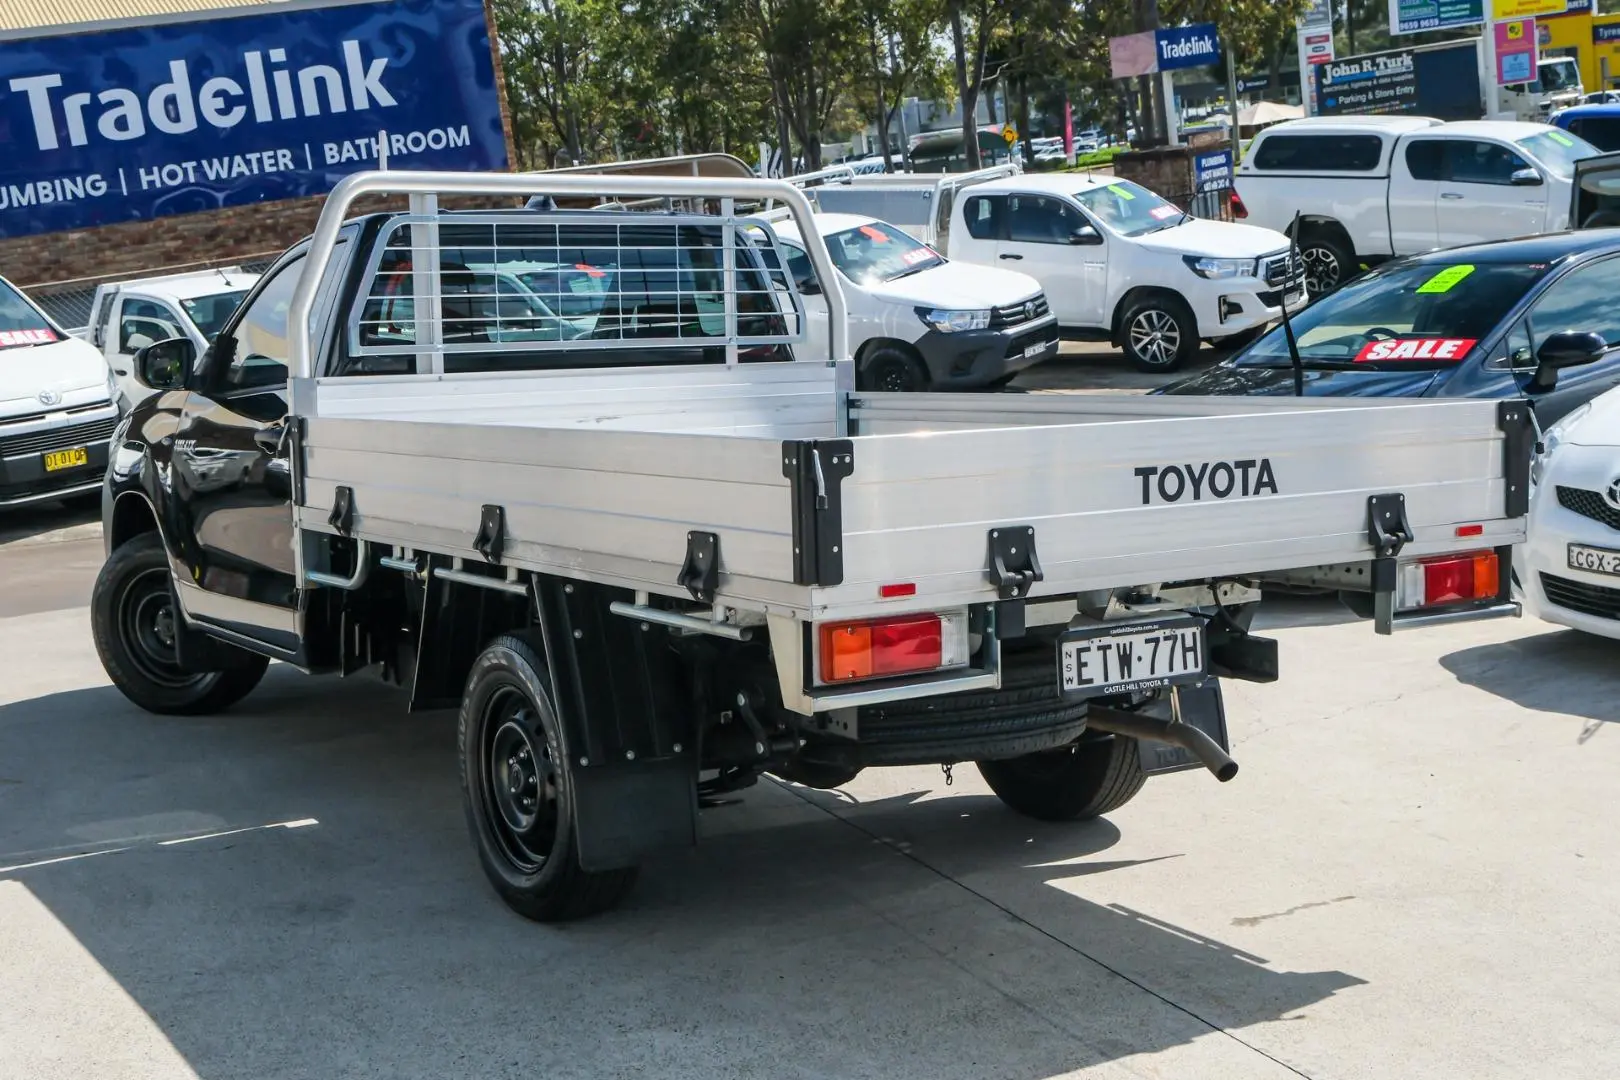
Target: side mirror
165	365
1565	349
1085	234
1525	178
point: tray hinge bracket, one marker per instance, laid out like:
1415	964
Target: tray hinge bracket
490	539
1014	566
700	573
815	469
342	516
1518	426
1388	531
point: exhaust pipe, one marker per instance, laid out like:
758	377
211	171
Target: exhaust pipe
1151	728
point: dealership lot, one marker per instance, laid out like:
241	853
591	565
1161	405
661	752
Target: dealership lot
1411	876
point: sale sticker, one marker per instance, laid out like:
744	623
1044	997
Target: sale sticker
1453	349
917	255
1161	212
1445	279
27	337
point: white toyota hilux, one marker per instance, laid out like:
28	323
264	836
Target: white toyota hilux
56	407
1120	264
917	320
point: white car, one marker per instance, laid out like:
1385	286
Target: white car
56	407
1368	188
918	320
128	315
1569	568
1121	264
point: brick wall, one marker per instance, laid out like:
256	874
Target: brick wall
188	241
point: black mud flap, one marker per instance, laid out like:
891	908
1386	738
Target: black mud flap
623	812
1202	707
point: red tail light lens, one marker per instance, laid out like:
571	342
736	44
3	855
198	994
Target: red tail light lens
1449	579
905	645
1239	211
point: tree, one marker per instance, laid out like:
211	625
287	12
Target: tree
973	24
901	58
808	50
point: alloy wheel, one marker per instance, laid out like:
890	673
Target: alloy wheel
1155	337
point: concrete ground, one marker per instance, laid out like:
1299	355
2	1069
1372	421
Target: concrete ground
1413	876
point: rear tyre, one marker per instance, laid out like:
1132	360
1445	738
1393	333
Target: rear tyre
135	623
1328	263
517	789
891	370
1159	333
1085	780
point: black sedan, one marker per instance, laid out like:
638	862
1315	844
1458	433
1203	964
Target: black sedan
1537	318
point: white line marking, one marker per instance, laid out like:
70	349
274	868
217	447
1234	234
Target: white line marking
62	859
299	824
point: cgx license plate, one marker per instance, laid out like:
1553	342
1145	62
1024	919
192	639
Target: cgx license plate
1594	560
1127	657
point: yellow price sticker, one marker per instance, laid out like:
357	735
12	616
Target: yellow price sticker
1445	279
1560	138
1121	192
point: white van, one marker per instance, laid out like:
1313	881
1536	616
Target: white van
128	315
917	320
56	407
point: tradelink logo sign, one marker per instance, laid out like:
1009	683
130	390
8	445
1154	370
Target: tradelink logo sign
1187	46
174	107
139	123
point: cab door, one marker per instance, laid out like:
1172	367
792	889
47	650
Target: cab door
1038	238
1417	167
232	479
1489	193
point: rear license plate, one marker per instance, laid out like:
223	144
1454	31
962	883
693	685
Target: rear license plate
1594	560
1128	657
57	460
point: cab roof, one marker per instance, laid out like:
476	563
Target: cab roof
1383	125
827	224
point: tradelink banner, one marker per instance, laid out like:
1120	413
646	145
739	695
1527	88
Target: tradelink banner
139	123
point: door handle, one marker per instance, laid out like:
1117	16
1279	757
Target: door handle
1450	195
120	371
1012	256
269	439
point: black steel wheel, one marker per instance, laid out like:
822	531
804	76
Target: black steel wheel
891	370
517	790
136	623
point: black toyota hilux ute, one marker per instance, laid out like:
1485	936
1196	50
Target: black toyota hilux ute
580	474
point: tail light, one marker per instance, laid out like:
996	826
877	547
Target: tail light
1239	211
899	645
1449	579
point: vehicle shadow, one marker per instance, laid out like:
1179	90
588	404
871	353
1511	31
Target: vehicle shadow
1562	671
39	520
914	939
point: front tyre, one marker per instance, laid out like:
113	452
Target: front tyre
136	622
518	791
1159	333
891	370
1084	780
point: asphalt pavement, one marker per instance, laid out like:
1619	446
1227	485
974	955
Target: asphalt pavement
1413	876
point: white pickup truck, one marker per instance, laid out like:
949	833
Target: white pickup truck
1368	188
917	320
1117	262
127	315
656	552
